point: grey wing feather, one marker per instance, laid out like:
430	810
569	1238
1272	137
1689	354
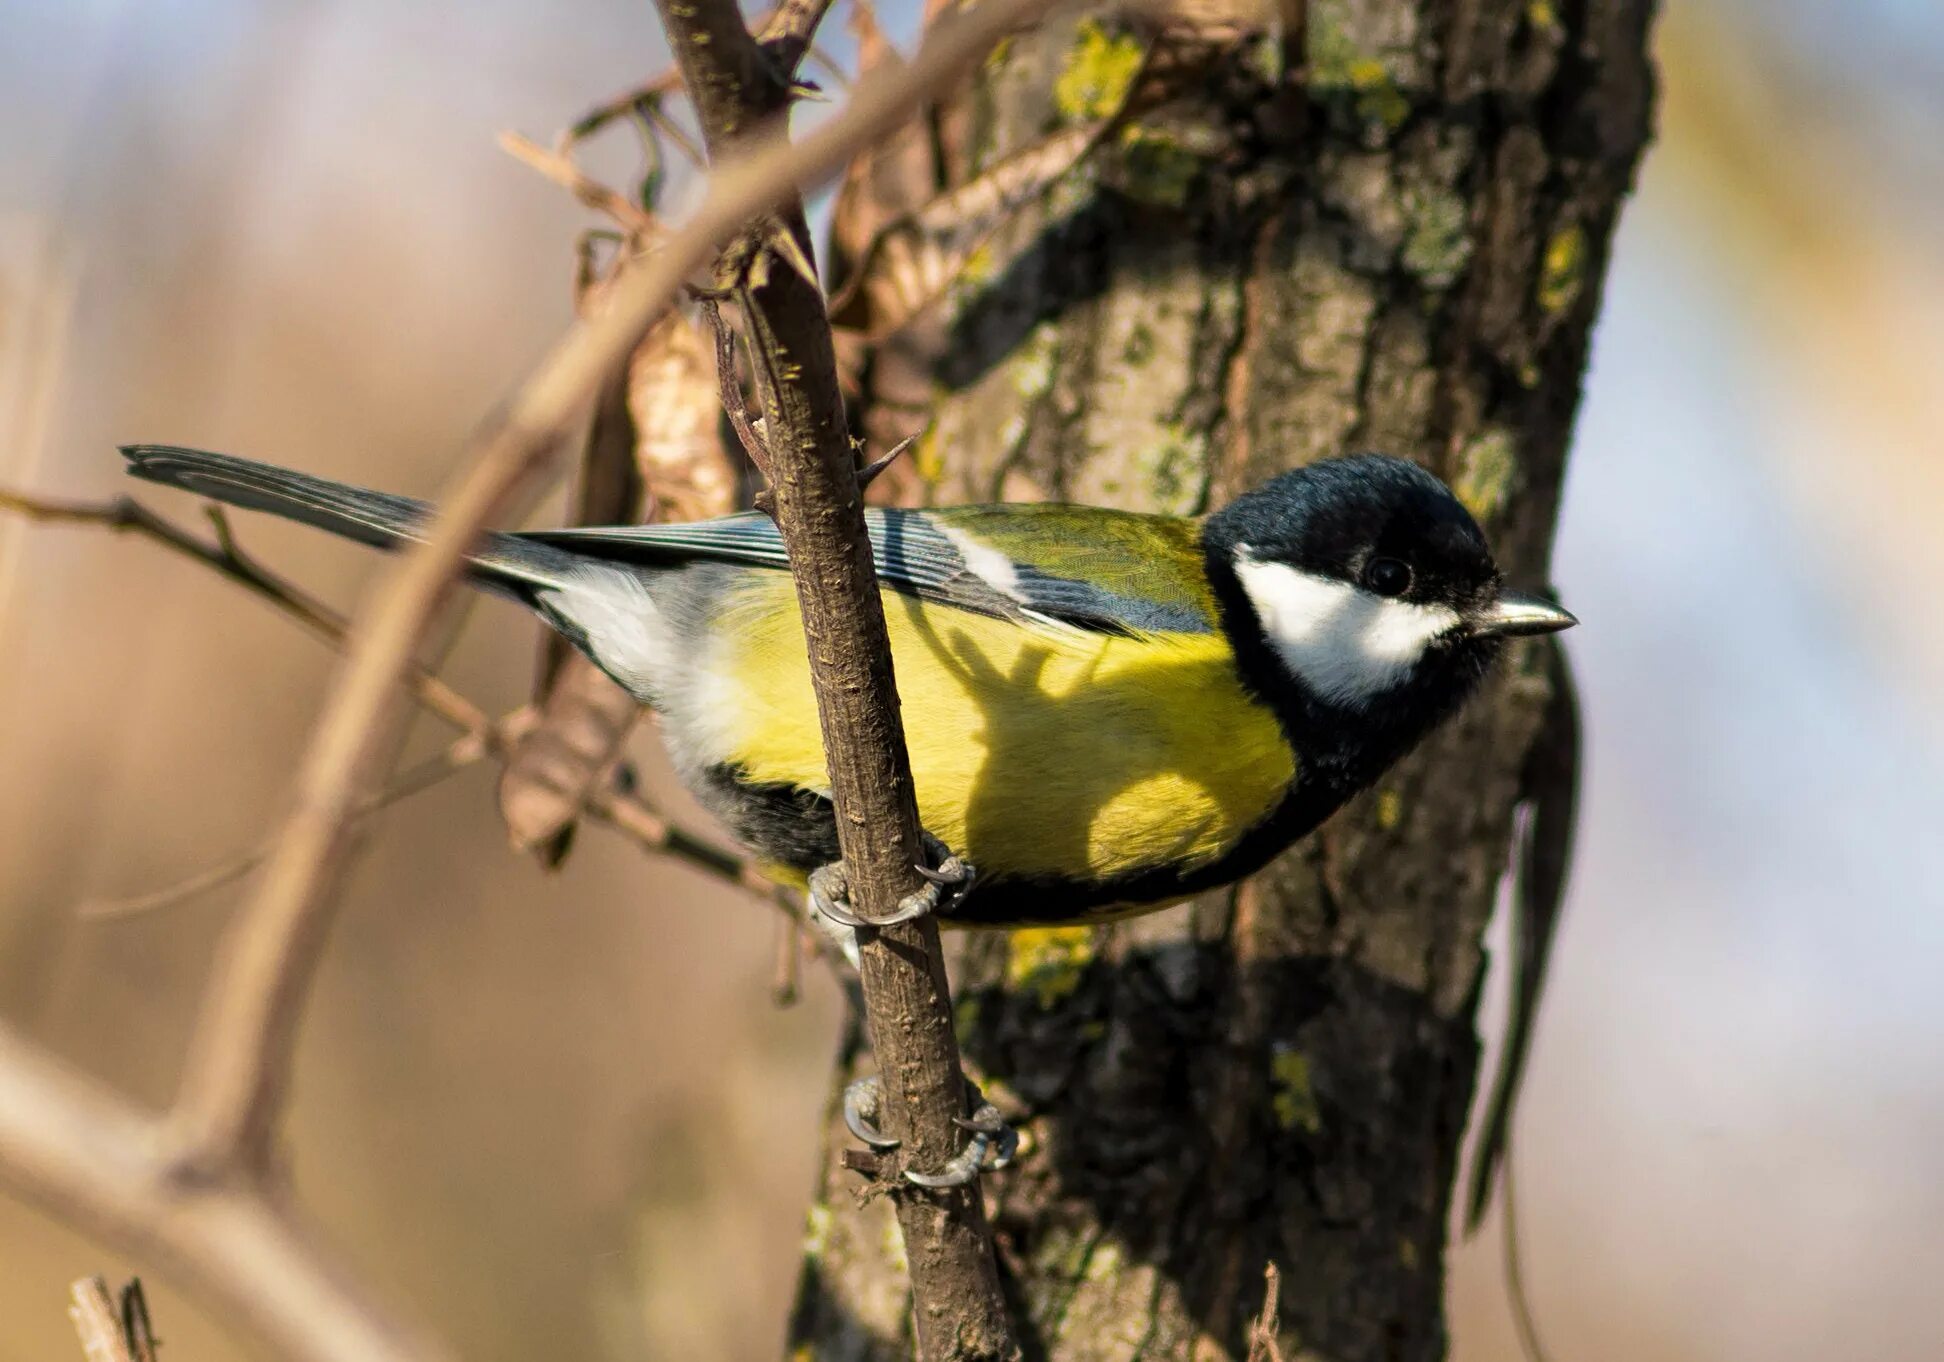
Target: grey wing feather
907	550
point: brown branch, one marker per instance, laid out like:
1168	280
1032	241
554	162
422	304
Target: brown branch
125	514
97	1162
96	1322
960	1311
1264	1329
108	1334
561	169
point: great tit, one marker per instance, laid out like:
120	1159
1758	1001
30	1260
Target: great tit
1106	711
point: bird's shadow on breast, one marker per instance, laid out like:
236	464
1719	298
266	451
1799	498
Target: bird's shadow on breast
1051	760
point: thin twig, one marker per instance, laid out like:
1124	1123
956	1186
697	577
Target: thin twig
465	751
125	514
97	1323
1263	1344
560	168
1524	1324
730	387
136	1326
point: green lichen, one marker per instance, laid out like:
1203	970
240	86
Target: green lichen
1104	1263
1543	15
1048	962
965	1016
927	457
1265	56
1156	168
1293	1101
1407	1255
1174	469
1562	273
1033	364
1099	69
816	1231
1390	809
1338	66
1486	467
1140	344
1437	239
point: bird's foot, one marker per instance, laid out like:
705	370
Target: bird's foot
991	1145
948	878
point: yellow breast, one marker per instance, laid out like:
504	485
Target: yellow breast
1038	750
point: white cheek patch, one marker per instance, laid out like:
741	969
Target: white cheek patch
624	631
1346	644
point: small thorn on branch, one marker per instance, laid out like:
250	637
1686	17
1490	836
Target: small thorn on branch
869	472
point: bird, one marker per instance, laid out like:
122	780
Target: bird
1106	711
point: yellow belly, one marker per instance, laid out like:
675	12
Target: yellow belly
1037	750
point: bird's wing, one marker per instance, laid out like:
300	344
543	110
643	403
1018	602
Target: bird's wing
1106	571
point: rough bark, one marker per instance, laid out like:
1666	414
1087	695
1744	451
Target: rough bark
1390	233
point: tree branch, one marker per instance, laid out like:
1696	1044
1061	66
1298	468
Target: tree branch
960	1310
96	1161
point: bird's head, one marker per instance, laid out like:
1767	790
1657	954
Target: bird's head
1364	586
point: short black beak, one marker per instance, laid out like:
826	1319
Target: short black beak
1517	614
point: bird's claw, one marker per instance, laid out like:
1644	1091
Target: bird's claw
991	1147
860	1114
952	878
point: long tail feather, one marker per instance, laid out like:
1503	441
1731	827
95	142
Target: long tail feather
376	518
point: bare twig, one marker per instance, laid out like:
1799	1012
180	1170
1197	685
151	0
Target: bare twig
95	1160
136	1326
108	1334
960	1312
465	751
560	168
97	1323
1263	1346
126	514
788	970
729	386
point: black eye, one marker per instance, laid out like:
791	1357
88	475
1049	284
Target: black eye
1387	577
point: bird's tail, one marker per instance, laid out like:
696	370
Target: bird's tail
384	521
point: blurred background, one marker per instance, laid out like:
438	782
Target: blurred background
557	1115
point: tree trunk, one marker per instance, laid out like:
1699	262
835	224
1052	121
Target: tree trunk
1395	243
